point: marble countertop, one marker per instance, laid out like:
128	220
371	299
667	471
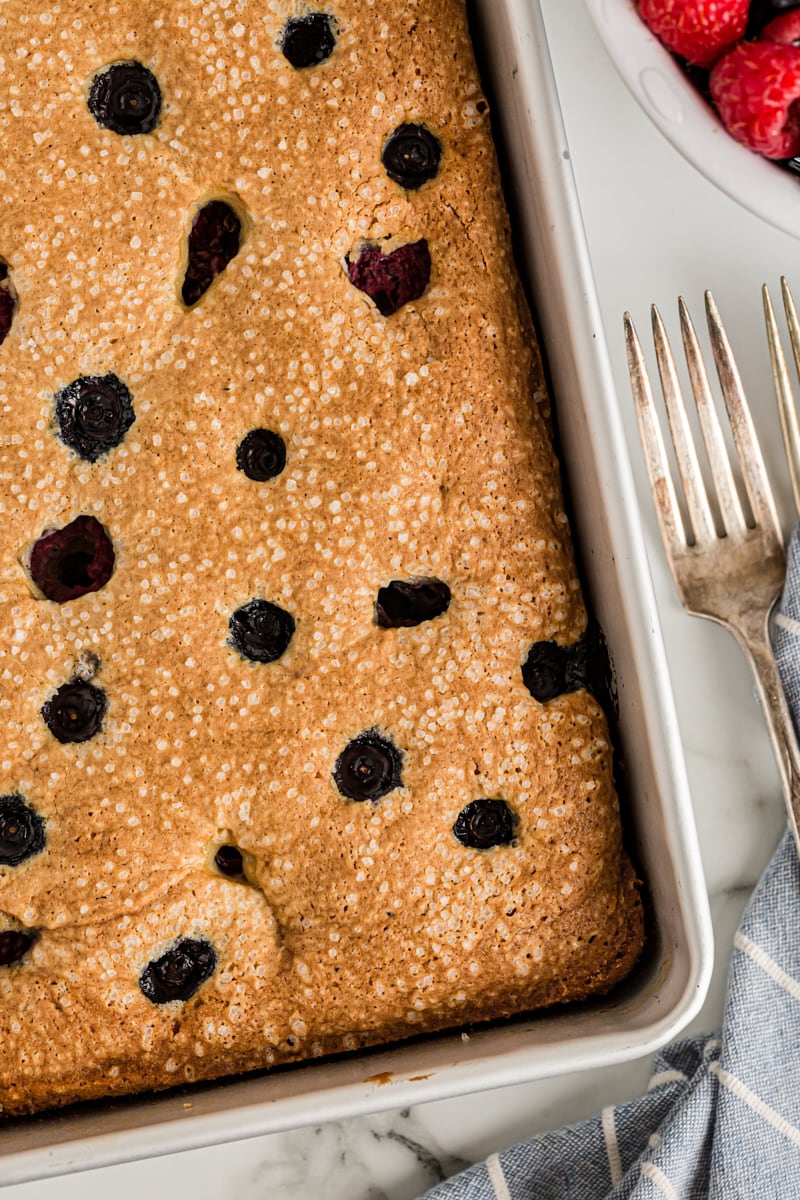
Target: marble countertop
656	228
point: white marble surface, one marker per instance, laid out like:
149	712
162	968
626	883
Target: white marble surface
655	228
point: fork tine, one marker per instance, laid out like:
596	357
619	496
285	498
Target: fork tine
728	498
793	447
666	502
745	439
791	317
790	428
683	441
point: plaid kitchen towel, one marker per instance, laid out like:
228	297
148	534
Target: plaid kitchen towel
721	1117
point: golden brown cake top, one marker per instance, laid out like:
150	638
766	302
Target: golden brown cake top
416	448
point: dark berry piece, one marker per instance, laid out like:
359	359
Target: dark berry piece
75	713
308	41
580	666
410	602
94	413
14	945
125	98
589	667
214	239
485	823
228	861
699	77
261	455
73	561
21	831
551	670
411	156
8	301
391	280
544	672
261	631
8	307
369	767
179	973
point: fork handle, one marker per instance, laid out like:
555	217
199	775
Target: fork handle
757	648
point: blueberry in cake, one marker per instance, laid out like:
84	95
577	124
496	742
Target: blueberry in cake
261	455
228	861
125	97
309	39
410	602
75	713
301	746
485	823
94	414
369	767
21	831
411	155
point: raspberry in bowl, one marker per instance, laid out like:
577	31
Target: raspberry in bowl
721	79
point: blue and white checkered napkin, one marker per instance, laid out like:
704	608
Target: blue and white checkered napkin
721	1117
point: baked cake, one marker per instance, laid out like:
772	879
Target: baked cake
298	752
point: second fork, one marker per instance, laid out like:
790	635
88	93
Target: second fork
733	576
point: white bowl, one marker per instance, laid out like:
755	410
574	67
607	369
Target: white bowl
684	117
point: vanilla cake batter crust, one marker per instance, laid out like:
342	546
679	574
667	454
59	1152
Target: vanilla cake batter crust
417	447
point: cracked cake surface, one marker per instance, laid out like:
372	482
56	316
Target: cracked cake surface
299	748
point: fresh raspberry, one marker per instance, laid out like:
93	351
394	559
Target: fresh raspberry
756	88
699	30
763	11
784	29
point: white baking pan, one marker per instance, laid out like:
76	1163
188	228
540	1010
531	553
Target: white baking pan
668	987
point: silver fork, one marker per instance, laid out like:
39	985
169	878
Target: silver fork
733	576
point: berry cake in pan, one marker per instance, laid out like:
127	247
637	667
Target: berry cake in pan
298	754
